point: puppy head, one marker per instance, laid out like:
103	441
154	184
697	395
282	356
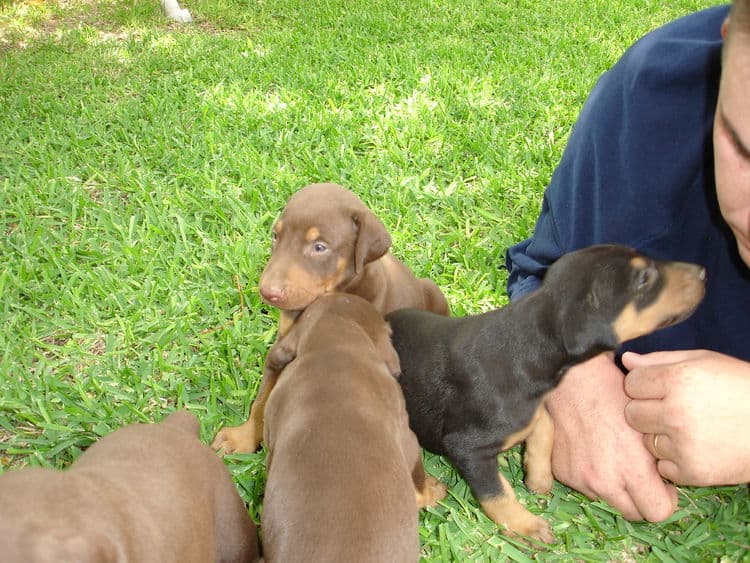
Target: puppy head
609	294
323	240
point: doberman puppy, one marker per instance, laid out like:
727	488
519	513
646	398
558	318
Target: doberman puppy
343	466
475	386
327	240
145	493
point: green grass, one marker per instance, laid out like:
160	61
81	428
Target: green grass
142	164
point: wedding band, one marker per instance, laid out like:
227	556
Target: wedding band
655	446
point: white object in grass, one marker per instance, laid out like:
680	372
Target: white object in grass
174	12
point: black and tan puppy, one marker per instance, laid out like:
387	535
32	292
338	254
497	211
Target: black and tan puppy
475	386
147	493
327	240
343	466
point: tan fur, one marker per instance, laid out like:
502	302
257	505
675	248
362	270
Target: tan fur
507	511
683	290
151	493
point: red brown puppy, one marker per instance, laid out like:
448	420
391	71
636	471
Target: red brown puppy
147	493
327	240
343	466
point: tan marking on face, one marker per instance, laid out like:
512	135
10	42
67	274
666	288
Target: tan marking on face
301	288
335	280
682	291
279	226
638	262
313	233
505	510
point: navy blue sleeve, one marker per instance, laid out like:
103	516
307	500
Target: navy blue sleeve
639	154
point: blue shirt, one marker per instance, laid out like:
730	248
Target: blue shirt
638	170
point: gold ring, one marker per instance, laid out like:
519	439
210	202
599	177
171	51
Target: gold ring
655	446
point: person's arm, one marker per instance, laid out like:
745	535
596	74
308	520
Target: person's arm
695	403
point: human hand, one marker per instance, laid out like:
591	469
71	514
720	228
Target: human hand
695	403
596	452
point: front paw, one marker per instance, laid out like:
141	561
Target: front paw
534	527
242	439
434	491
506	511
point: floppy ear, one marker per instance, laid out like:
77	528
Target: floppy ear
373	240
586	331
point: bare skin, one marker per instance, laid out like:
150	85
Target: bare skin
695	402
592	438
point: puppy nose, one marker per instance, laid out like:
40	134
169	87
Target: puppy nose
271	293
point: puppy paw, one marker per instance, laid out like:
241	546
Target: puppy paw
236	439
434	491
506	511
531	526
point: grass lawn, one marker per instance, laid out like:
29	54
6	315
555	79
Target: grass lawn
142	164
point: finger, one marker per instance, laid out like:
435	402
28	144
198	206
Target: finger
647	382
660	447
624	503
645	416
655	503
669	470
632	360
620	500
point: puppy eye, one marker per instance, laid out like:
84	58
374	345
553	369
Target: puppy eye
646	277
319	248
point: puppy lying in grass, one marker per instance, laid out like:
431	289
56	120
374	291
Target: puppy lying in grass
147	493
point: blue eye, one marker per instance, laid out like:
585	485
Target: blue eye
319	248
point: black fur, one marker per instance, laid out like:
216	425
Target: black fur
472	382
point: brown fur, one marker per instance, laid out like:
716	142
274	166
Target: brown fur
343	466
146	493
355	260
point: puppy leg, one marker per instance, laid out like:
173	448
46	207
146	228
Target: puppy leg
246	437
428	490
498	500
537	457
